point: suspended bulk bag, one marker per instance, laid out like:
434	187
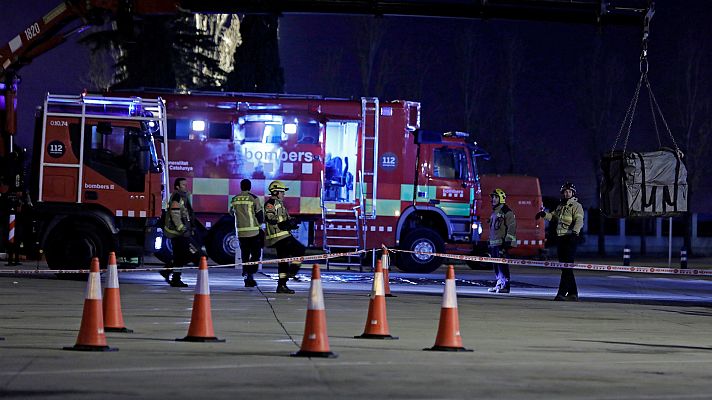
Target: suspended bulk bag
650	184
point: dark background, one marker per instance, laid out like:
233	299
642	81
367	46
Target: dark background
528	90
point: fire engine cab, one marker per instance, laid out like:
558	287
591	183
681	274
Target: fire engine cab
98	178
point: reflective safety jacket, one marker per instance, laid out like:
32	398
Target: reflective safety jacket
247	209
179	218
277	218
503	226
568	217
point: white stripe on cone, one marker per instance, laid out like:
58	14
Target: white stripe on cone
378	289
112	277
450	296
203	285
316	297
93	290
386	262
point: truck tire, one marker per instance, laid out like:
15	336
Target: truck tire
425	240
72	246
222	243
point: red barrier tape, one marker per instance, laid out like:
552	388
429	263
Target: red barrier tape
270	261
558	265
529	263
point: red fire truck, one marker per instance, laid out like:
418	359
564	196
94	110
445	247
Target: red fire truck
361	172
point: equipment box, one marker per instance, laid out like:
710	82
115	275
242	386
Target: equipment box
651	184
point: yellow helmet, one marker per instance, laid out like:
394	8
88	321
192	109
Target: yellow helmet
500	194
277	186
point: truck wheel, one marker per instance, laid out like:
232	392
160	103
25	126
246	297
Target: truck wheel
424	240
72	246
222	243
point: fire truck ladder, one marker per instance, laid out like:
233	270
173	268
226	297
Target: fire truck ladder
369	156
341	233
368	185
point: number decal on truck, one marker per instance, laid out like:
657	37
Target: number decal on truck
389	161
32	31
55	149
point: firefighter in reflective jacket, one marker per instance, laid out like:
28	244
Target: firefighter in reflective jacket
179	226
249	216
568	219
279	224
502	237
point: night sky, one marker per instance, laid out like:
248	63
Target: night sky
422	59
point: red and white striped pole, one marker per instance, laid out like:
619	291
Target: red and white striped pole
11	230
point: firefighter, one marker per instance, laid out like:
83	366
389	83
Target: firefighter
279	225
568	219
179	226
502	237
249	216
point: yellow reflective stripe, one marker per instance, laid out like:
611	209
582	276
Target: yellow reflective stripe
171	231
249	213
278	234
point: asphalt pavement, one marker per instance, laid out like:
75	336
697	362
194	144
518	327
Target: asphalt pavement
631	336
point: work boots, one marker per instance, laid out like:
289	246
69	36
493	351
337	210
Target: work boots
292	274
166	274
282	286
176	282
250	281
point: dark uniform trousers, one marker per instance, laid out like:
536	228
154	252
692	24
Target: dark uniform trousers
250	248
499	269
566	249
186	249
289	247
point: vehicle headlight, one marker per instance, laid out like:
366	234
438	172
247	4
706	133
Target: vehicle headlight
158	243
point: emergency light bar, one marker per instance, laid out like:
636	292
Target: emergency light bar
456	134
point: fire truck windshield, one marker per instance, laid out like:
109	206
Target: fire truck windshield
122	154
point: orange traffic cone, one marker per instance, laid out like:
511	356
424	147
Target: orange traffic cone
448	338
376	322
386	263
315	342
91	331
201	320
113	317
